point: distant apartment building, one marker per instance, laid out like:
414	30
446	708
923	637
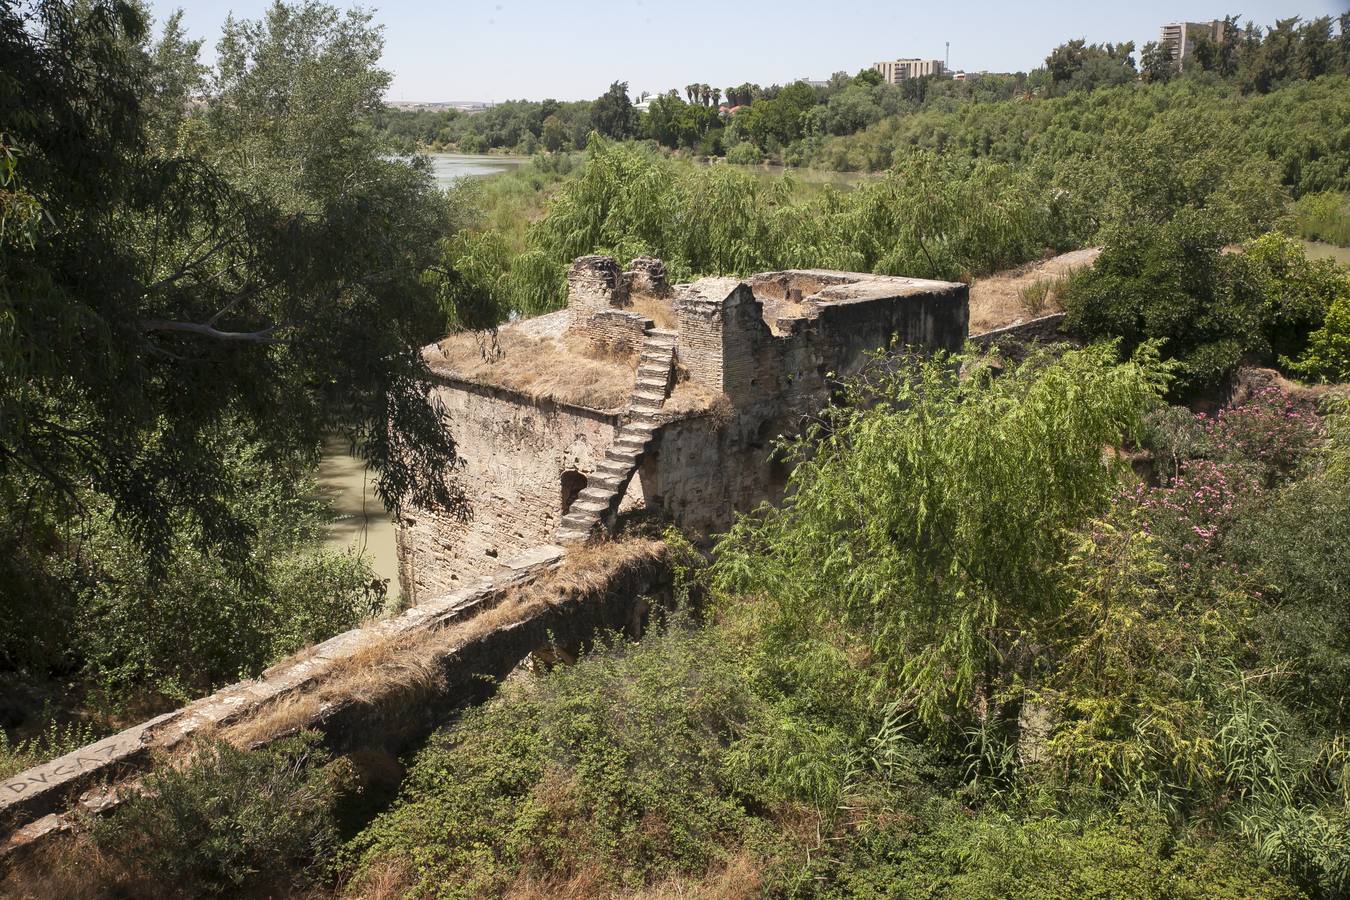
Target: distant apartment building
1179	37
898	70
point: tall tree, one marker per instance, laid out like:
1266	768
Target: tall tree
257	274
612	113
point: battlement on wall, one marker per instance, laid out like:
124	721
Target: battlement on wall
725	325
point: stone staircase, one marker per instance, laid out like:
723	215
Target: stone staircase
599	502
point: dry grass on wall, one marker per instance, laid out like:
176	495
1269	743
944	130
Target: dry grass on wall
661	310
401	670
1009	296
542	368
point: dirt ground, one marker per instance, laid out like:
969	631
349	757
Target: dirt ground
995	300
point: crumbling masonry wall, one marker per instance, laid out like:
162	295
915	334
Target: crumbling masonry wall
703	469
771	349
514	450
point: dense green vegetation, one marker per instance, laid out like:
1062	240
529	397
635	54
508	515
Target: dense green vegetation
970	655
1212	309
961	660
191	297
860	123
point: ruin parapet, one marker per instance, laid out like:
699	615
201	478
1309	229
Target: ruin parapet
646	275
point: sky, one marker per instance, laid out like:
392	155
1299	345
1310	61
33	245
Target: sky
494	50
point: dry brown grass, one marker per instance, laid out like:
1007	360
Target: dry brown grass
692	397
739	878
69	867
660	310
542	368
403	669
998	300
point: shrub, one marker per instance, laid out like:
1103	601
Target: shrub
952	853
1328	355
1324	216
231	820
52	740
1270	430
745	154
615	768
927	519
1176	283
1036	296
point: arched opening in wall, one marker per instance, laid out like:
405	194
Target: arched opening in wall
573	483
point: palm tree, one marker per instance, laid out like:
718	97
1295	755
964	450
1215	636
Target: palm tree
716	96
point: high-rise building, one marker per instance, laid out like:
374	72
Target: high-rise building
896	71
1179	37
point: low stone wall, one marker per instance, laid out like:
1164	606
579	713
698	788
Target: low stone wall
1045	329
612	331
49	798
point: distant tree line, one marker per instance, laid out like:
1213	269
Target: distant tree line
793	123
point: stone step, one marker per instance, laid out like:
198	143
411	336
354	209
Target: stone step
659	377
623	455
596	495
570	535
613	468
578	522
649	397
603	485
652	383
591	507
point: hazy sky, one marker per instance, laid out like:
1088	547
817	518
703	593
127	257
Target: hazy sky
509	49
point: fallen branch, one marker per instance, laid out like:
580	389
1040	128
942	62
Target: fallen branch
249	337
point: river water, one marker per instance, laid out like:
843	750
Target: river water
1320	250
359	518
450	167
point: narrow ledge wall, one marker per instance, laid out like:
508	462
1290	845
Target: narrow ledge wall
299	692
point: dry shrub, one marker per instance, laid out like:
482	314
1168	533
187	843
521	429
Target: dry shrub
72	867
739	878
659	309
691	396
541	367
387	880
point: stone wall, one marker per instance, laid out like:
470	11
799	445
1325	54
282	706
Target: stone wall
702	470
700	312
514	450
612	331
1045	329
646	275
773	348
594	283
382	710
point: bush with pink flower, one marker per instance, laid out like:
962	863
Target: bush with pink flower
1270	429
1189	513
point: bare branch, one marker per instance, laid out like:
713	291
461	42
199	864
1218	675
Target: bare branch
248	337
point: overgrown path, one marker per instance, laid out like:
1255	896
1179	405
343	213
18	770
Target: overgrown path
996	300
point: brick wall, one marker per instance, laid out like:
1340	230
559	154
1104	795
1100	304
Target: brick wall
612	331
514	451
594	283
